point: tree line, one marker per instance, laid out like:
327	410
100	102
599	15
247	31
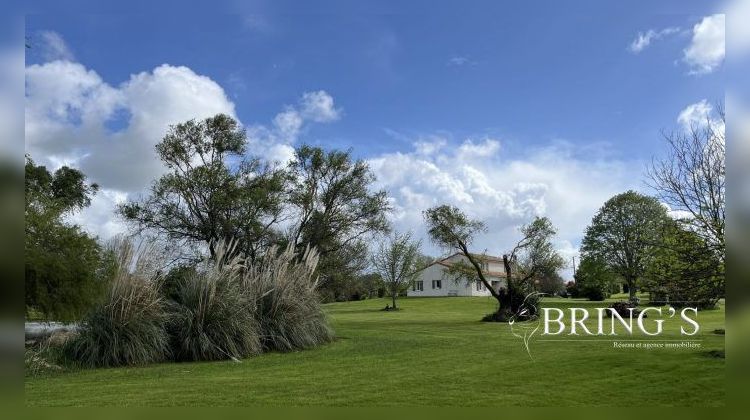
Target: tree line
213	192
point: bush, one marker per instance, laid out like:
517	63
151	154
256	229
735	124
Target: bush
127	327
594	293
623	309
288	308
212	318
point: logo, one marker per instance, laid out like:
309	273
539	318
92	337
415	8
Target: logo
529	310
605	323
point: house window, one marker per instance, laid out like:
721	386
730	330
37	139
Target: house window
418	286
437	284
480	286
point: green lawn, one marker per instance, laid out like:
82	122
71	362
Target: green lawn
432	353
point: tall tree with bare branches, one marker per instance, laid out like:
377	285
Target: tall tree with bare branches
691	178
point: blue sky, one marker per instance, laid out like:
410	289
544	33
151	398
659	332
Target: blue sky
503	92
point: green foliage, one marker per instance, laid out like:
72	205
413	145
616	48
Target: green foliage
549	284
212	317
61	261
449	227
623	234
207	199
685	270
397	261
288	308
532	256
335	210
127	327
594	280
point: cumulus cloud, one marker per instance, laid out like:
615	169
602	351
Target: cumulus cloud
707	48
71	111
504	190
701	115
275	141
695	114
318	106
75	118
644	39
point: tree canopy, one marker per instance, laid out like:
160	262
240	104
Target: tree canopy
212	192
61	261
624	233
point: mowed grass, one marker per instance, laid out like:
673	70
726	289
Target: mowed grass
434	352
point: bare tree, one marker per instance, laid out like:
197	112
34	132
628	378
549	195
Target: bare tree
397	260
691	178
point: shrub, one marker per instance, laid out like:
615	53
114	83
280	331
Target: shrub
212	317
288	308
623	309
594	293
127	327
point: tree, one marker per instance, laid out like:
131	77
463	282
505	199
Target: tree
594	280
623	234
692	179
397	260
690	264
212	193
549	284
533	255
335	209
684	270
61	261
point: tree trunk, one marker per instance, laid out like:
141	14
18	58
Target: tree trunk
631	288
393	296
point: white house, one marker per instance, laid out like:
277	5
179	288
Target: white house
433	279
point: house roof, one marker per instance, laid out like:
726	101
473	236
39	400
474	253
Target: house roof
445	263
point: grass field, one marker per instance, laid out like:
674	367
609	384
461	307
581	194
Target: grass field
434	352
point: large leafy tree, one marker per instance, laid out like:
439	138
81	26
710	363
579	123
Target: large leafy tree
61	261
624	233
532	256
397	260
684	269
212	193
335	208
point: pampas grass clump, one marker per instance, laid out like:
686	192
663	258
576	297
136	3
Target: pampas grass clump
212	318
288	308
127	327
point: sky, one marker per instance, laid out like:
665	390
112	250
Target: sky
508	110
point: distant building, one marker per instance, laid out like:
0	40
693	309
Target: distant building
434	280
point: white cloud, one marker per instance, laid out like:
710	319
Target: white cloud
318	106
69	110
699	115
503	190
53	47
430	145
74	117
695	114
460	61
485	148
275	142
707	48
644	39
